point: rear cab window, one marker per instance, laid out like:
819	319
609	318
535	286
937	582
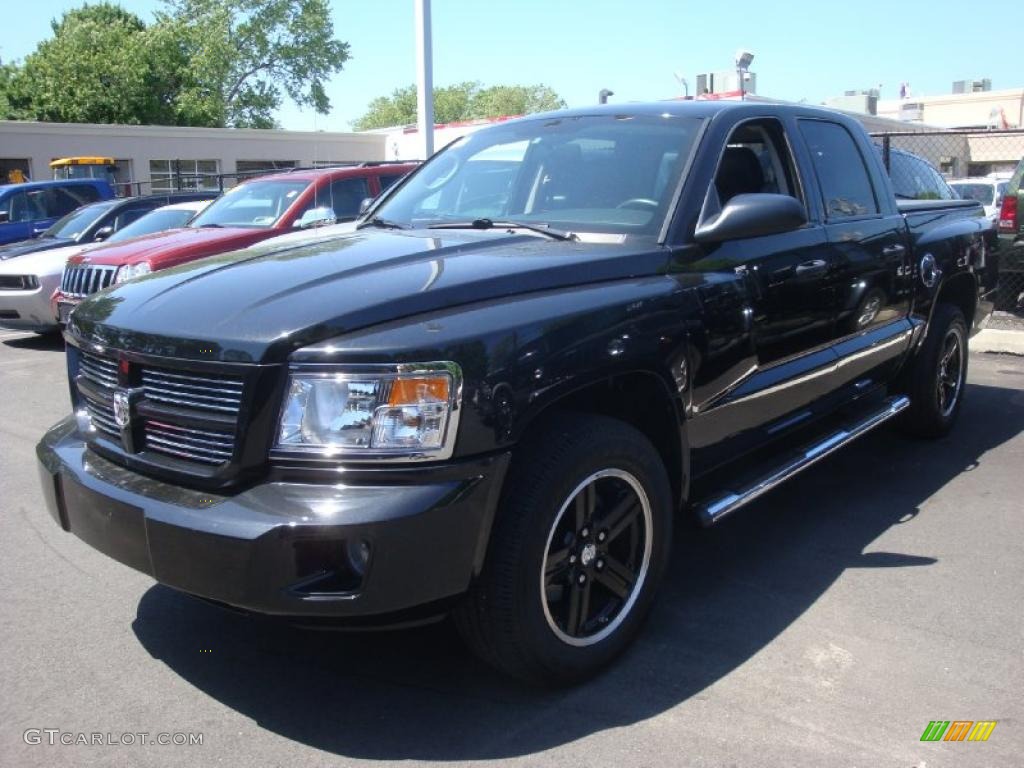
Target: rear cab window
846	188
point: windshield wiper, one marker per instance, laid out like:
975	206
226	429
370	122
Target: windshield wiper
544	229
211	226
380	223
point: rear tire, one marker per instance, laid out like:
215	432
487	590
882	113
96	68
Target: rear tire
938	375
579	546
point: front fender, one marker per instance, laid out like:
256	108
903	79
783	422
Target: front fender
522	354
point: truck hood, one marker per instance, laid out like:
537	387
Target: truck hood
41	263
32	246
164	249
260	305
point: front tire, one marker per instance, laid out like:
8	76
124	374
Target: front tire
938	375
579	546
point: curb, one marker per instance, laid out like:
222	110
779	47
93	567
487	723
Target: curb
994	340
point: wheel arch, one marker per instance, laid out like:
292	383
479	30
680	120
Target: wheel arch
640	398
960	290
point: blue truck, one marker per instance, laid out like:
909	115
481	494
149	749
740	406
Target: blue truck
27	210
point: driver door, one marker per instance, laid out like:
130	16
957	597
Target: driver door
773	292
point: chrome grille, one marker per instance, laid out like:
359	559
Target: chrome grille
189	443
223	395
85	279
101	372
102	415
183	415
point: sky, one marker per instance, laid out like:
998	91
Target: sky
803	50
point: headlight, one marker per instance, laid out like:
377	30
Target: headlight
128	271
372	412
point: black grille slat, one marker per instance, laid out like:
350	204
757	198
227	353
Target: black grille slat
18	282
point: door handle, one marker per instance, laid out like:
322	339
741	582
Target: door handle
812	267
893	250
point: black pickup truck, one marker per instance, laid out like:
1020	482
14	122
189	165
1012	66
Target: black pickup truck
537	352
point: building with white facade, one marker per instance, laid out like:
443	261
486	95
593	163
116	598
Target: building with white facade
154	155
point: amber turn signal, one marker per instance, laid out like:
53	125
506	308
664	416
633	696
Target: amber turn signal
421	389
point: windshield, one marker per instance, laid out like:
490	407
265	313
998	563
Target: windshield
607	173
257	204
76	222
982	193
154	221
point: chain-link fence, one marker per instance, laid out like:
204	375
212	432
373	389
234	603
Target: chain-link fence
977	164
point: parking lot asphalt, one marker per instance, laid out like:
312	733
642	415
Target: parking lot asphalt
824	625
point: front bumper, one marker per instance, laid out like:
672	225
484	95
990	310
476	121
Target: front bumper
29	310
372	549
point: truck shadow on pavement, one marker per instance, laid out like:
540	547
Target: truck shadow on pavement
48	342
417	694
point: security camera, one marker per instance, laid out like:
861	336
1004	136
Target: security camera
743	59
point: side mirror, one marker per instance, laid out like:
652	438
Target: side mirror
316	217
103	233
752	215
5	216
365	205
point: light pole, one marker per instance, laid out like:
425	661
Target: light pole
602	97
424	78
743	61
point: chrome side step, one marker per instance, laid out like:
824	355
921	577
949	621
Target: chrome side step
718	507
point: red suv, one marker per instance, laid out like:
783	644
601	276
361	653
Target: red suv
253	211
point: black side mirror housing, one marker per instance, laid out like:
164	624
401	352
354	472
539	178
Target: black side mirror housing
5	217
752	215
364	206
103	233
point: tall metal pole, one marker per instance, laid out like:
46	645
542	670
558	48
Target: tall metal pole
424	78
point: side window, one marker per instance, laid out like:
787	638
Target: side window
64	201
913	179
344	196
29	206
839	166
756	159
85	193
124	218
936	187
19	209
388	180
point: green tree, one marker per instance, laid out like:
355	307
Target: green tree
462	101
501	100
243	56
95	69
202	62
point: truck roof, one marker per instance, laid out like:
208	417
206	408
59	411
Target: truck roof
691	108
356	169
54	183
